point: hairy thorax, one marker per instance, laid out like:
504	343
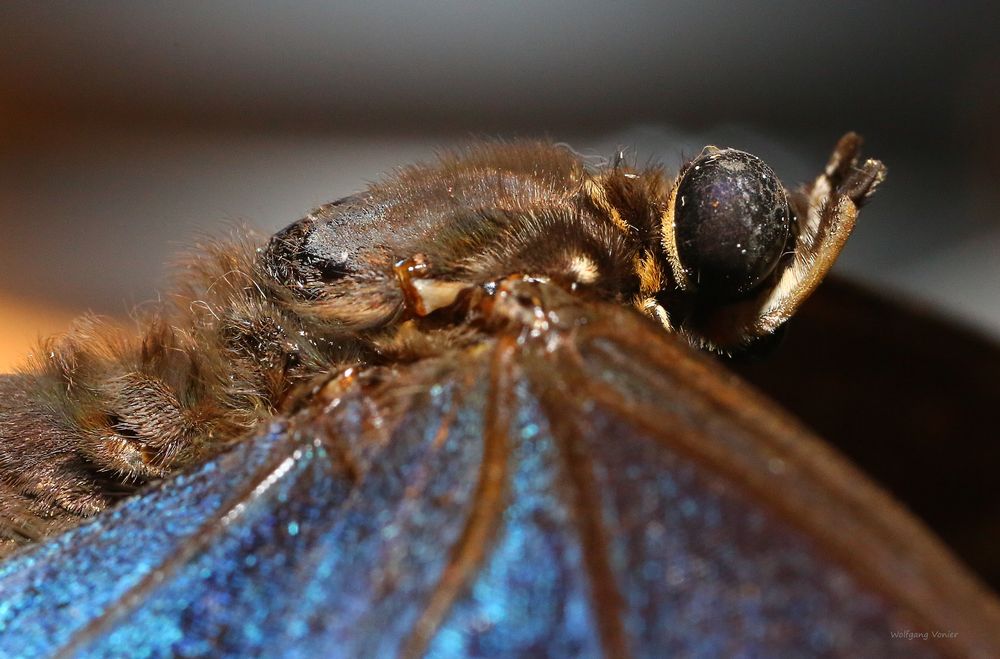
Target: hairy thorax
389	276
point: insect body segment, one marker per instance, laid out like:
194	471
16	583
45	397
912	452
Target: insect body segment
721	255
823	216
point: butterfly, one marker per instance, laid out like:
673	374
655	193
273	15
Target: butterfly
466	413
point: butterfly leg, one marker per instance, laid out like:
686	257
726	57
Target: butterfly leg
423	294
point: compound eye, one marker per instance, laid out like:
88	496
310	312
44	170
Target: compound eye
731	222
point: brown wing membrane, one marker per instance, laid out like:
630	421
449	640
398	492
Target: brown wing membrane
909	397
702	519
780	496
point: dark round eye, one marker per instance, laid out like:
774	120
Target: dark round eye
731	221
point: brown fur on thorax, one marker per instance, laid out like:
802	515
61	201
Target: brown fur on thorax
239	331
99	411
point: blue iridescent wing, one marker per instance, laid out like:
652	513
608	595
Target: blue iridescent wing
593	489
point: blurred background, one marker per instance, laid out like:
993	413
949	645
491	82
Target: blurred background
127	131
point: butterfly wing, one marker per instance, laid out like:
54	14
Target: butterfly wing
922	395
588	488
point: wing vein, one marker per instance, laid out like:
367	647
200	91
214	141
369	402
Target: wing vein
194	545
607	600
487	508
855	522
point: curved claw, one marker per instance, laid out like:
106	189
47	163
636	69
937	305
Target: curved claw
862	182
844	158
845	177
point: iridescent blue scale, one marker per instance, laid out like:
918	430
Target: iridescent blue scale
497	511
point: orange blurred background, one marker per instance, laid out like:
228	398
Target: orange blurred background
22	323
